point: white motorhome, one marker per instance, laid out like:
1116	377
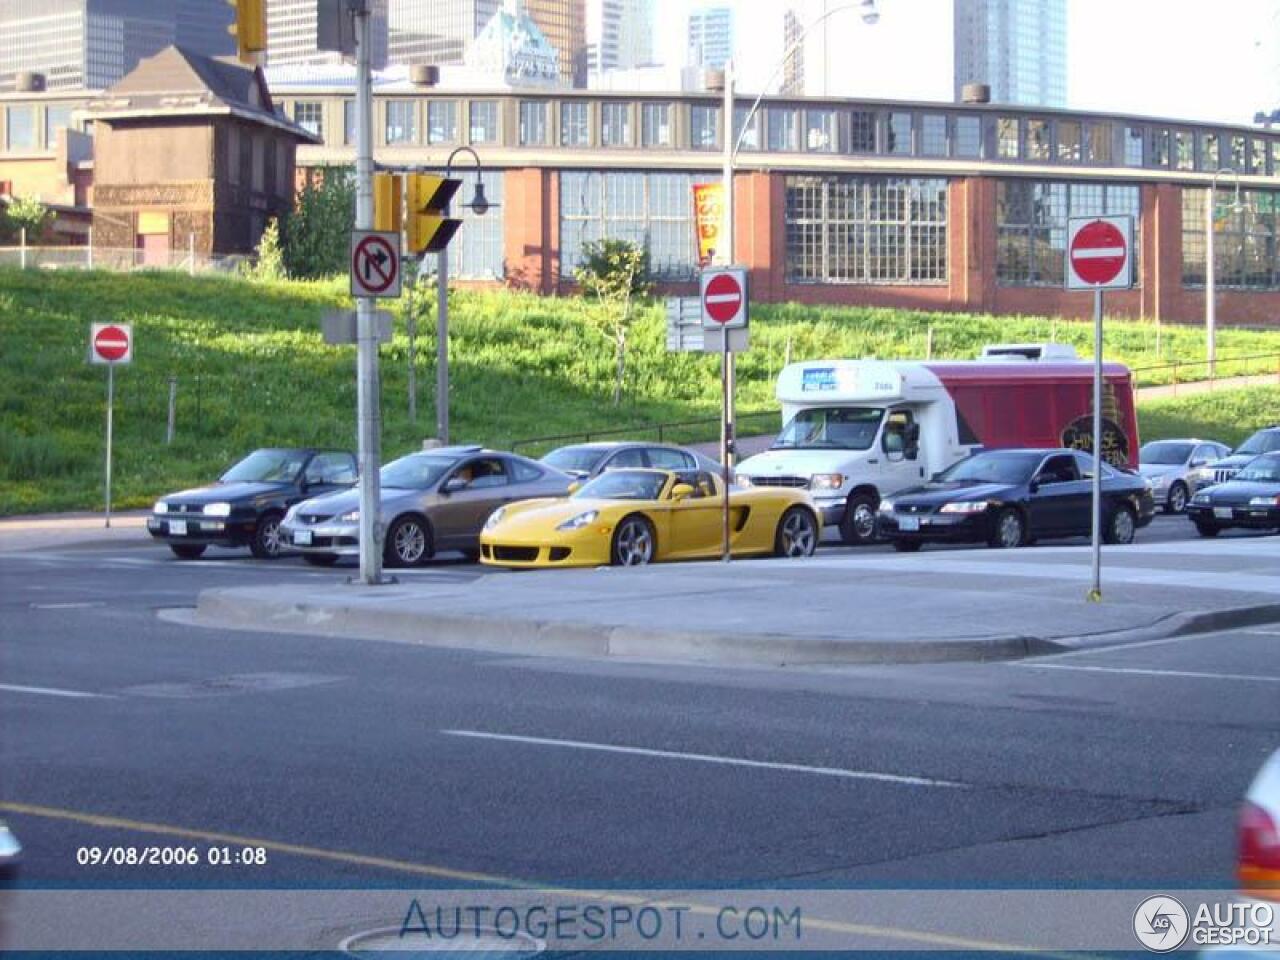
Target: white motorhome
856	430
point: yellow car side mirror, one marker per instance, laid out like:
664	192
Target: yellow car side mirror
575	486
681	491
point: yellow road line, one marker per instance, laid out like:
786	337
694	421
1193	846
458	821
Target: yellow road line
448	873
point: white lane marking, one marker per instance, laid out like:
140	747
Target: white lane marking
1265	633
1142	672
708	758
1096	253
52	692
67	606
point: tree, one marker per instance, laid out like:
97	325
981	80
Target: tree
318	234
269	264
29	214
615	273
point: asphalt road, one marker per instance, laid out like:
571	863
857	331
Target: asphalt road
359	762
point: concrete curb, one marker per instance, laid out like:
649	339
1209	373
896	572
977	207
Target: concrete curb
1185	624
229	609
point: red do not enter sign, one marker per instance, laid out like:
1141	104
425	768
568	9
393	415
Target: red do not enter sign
1099	252
112	343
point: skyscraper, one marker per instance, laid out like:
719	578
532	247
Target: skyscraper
291	34
564	24
1018	47
710	37
619	34
793	68
93	43
435	31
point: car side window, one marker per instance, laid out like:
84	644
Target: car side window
1084	464
631	457
335	468
484	473
523	472
1206	452
664	458
1060	468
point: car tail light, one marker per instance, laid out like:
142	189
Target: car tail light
1259	865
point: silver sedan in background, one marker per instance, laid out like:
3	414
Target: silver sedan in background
1176	469
432	501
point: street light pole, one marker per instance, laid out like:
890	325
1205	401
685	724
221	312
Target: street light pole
368	391
1210	269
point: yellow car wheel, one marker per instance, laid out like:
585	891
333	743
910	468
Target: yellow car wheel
797	534
634	544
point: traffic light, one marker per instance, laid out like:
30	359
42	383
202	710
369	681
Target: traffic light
428	230
388	192
250	28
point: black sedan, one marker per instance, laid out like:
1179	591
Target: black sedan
1007	498
1249	499
245	506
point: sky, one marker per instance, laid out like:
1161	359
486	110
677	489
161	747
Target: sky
1181	59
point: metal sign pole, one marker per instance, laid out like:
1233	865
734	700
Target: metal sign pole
111	401
368	393
1095	594
727	441
442	341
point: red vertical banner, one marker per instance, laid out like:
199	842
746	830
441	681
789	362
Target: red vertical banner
708	217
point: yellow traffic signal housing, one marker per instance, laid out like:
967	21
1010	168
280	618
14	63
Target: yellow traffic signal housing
427	229
250	28
388	194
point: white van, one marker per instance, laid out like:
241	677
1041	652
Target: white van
856	430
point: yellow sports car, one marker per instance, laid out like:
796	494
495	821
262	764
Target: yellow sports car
632	517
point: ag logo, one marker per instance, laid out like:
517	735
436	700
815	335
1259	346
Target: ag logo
1160	924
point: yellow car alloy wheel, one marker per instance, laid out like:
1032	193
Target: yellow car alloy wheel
633	543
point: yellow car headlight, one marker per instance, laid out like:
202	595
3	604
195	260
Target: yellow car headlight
580	521
495	518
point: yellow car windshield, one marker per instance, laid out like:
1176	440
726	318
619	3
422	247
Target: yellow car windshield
624	485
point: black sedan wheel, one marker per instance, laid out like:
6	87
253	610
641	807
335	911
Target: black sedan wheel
1177	501
266	543
188	551
408	543
908	546
1121	525
1207	529
633	543
1009	530
797	534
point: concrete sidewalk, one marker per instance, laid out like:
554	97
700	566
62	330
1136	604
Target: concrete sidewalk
831	609
37	531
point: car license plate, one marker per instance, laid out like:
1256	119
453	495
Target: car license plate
1222	513
177	528
302	538
909	524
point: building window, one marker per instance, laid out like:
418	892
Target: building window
1098	143
402	121
1160	153
1068	141
1275	158
846	229
309	115
1133	146
21	128
1209	152
969	137
1258	157
615	124
56	117
1037	139
1244	241
933	135
533	123
575	129
476	253
899	134
704	127
1238	155
1031	225
348	122
1007	138
1184	150
649	209
820	131
442	121
748	139
862	132
783	132
655	124
484	121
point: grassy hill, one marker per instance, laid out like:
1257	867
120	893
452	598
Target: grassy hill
252	369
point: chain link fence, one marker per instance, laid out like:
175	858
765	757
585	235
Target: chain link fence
116	259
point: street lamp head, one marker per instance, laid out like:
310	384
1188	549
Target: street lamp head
479	203
870	15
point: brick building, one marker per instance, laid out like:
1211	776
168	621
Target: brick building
902	204
189	153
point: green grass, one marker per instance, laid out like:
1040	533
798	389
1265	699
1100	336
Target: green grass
252	370
1226	415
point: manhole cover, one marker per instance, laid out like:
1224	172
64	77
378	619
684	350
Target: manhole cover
471	943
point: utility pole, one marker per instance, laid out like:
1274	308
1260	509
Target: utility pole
726	253
368	388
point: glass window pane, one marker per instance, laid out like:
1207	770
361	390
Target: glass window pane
1184	150
1133	146
704	127
56	117
442	121
575	130
533	122
348	122
655	123
1007	138
1209	156
783	133
484	121
1037	139
309	115
862	132
933	135
750	139
820	131
899	134
1099	143
402	121
615	124
1068	141
969	137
